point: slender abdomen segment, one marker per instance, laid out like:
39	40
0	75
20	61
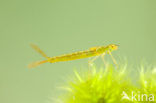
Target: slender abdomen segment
73	56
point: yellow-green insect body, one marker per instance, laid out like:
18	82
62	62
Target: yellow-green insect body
95	51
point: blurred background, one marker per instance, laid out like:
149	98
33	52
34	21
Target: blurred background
65	26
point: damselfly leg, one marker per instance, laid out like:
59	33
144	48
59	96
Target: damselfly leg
102	56
114	61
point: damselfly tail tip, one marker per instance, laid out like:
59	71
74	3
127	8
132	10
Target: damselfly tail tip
32	45
35	64
36	48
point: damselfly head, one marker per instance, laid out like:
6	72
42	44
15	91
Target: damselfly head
113	46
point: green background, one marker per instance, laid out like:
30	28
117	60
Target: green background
64	26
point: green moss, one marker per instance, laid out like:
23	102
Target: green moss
110	84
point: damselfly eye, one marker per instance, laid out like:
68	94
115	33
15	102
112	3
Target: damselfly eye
113	46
